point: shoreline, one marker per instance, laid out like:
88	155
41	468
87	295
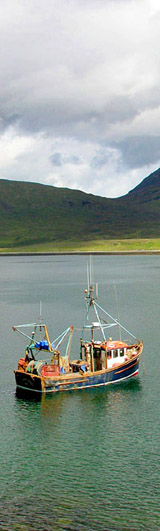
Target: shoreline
79	253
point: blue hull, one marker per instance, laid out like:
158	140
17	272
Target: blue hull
37	384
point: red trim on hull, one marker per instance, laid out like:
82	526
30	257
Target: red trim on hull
126	368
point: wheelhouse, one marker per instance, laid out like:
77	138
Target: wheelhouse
103	355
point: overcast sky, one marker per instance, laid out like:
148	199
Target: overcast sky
80	92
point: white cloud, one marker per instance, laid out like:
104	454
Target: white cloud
79	81
13	146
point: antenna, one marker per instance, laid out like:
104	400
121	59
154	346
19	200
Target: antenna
96	290
87	277
91	270
40	313
90	288
116	298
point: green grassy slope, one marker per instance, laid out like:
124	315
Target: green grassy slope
36	214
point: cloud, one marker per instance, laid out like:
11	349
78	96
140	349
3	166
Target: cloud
104	157
58	159
79	93
136	153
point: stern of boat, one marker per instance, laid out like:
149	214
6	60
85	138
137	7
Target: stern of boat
28	382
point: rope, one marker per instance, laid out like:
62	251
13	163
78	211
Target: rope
61	338
86	319
115	320
99	322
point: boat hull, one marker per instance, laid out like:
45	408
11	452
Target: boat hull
68	382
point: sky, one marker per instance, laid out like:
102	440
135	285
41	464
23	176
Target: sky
80	93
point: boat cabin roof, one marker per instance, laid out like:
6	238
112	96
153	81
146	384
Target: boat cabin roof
116	344
110	345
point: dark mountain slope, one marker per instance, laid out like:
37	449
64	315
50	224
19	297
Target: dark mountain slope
144	205
149	185
147	195
35	213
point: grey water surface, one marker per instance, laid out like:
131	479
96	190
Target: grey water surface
81	460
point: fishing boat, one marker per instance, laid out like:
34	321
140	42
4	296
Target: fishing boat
102	360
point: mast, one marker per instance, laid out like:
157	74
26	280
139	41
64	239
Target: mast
90	299
91	302
68	349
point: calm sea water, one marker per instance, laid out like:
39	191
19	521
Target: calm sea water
83	460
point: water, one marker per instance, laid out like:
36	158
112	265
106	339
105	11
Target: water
83	460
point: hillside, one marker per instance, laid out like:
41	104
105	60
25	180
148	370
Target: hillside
34	213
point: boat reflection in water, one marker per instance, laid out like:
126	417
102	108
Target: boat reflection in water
102	360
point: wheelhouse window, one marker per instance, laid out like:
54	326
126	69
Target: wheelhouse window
115	353
97	352
121	352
